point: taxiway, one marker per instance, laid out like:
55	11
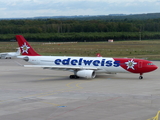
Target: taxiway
37	94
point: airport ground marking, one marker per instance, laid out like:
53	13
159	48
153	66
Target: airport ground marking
68	84
70	88
71	110
63	90
51	103
156	117
77	85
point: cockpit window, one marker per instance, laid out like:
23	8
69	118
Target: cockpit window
150	64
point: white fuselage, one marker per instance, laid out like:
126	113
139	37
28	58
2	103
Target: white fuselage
99	64
10	54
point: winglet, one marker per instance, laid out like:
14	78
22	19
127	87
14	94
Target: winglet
25	47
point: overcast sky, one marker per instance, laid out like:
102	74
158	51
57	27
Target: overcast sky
36	8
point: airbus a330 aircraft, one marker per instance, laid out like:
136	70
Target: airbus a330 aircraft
10	55
85	67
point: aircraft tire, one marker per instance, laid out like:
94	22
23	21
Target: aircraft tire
76	77
73	77
140	77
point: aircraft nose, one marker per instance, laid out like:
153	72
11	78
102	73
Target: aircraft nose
155	67
150	67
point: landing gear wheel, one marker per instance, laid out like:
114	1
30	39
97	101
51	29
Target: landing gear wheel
73	77
140	77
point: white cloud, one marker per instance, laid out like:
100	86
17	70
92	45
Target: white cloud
31	8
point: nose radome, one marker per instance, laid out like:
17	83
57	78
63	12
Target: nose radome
155	67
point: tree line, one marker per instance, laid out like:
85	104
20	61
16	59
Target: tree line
80	30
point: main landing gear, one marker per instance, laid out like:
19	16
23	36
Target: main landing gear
141	77
73	77
8	58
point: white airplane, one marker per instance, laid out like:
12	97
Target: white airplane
10	55
85	67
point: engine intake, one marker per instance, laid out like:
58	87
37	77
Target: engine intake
26	59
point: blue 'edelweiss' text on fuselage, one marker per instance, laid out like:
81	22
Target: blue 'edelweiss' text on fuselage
81	61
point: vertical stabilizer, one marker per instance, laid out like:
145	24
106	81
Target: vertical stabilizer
98	55
18	51
25	47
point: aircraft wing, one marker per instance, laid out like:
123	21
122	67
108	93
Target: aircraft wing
62	67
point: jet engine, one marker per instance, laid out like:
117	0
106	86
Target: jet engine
86	73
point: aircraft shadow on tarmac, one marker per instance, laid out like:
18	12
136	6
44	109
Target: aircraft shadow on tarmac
50	78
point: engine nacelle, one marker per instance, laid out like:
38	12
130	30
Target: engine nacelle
86	73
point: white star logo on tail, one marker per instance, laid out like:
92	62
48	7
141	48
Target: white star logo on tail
130	64
25	48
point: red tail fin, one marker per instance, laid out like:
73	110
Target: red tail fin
25	47
98	55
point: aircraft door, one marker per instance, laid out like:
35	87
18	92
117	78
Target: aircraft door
140	64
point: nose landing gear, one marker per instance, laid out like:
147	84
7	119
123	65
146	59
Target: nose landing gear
141	77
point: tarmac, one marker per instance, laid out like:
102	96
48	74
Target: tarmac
38	94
